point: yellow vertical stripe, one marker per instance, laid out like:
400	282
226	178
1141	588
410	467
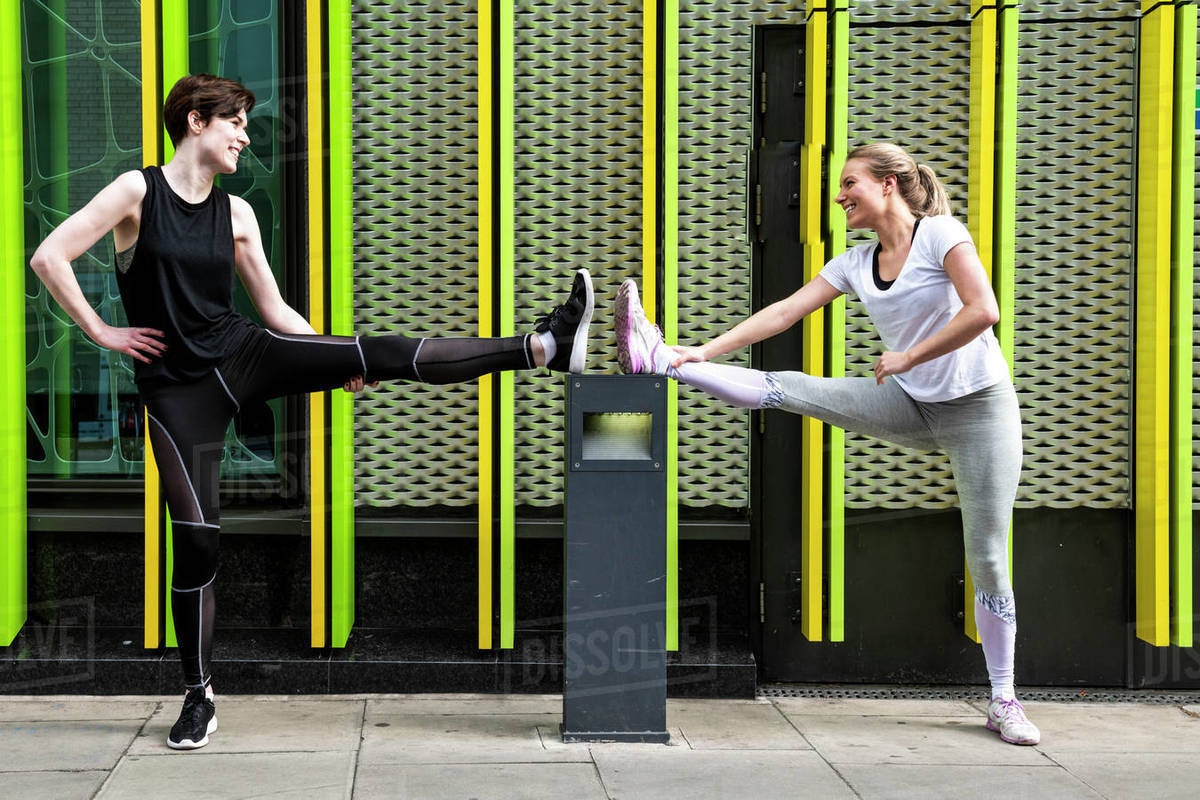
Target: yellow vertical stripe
315	46
812	484
981	162
1153	333
486	301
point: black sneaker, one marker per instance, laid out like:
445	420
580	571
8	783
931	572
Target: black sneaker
569	324
197	720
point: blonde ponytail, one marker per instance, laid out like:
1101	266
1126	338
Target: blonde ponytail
918	185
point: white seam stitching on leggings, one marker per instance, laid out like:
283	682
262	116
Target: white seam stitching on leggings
361	358
414	361
196	524
292	339
182	465
200	633
198	588
236	405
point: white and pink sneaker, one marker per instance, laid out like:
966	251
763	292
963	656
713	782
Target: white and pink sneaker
1007	717
638	341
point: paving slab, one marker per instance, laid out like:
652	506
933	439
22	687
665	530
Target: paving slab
104	709
718	774
1158	775
459	739
1120	728
734	725
258	726
845	739
58	745
469	704
493	781
883	707
936	782
59	785
301	776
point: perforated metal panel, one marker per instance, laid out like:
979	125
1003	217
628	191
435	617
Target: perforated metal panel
909	85
1074	261
415	240
1060	10
715	129
578	196
889	11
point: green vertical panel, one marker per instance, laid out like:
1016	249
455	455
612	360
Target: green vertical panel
12	343
838	122
1182	267
670	288
174	67
341	319
80	69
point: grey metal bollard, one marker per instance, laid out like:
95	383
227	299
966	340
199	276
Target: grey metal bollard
615	560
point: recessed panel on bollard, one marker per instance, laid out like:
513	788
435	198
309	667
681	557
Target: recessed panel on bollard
615	560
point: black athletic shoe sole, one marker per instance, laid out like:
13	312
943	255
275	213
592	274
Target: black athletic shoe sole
579	345
188	744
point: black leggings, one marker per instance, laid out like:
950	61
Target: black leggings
188	423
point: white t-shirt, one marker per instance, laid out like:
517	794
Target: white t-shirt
919	303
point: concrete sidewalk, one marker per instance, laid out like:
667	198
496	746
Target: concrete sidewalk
507	746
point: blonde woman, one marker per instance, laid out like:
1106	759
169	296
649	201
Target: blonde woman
940	384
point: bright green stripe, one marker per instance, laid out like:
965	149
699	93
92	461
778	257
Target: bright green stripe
174	52
504	160
670	284
1182	264
12	343
1005	221
341	322
174	63
835	465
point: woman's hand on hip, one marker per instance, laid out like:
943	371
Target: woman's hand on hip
892	363
356	384
141	343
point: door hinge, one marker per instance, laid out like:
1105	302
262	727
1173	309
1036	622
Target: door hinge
762	422
758	207
762	603
762	92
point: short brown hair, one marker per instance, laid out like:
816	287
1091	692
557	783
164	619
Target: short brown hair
207	95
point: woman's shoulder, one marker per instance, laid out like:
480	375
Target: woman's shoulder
944	225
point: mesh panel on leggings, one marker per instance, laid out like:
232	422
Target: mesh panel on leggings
909	85
578	196
415	240
1074	261
715	129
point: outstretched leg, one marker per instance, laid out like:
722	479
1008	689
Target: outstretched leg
856	404
273	364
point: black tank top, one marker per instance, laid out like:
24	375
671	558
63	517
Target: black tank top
180	281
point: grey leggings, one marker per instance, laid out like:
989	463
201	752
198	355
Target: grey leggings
981	433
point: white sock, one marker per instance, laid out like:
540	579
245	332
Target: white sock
548	344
